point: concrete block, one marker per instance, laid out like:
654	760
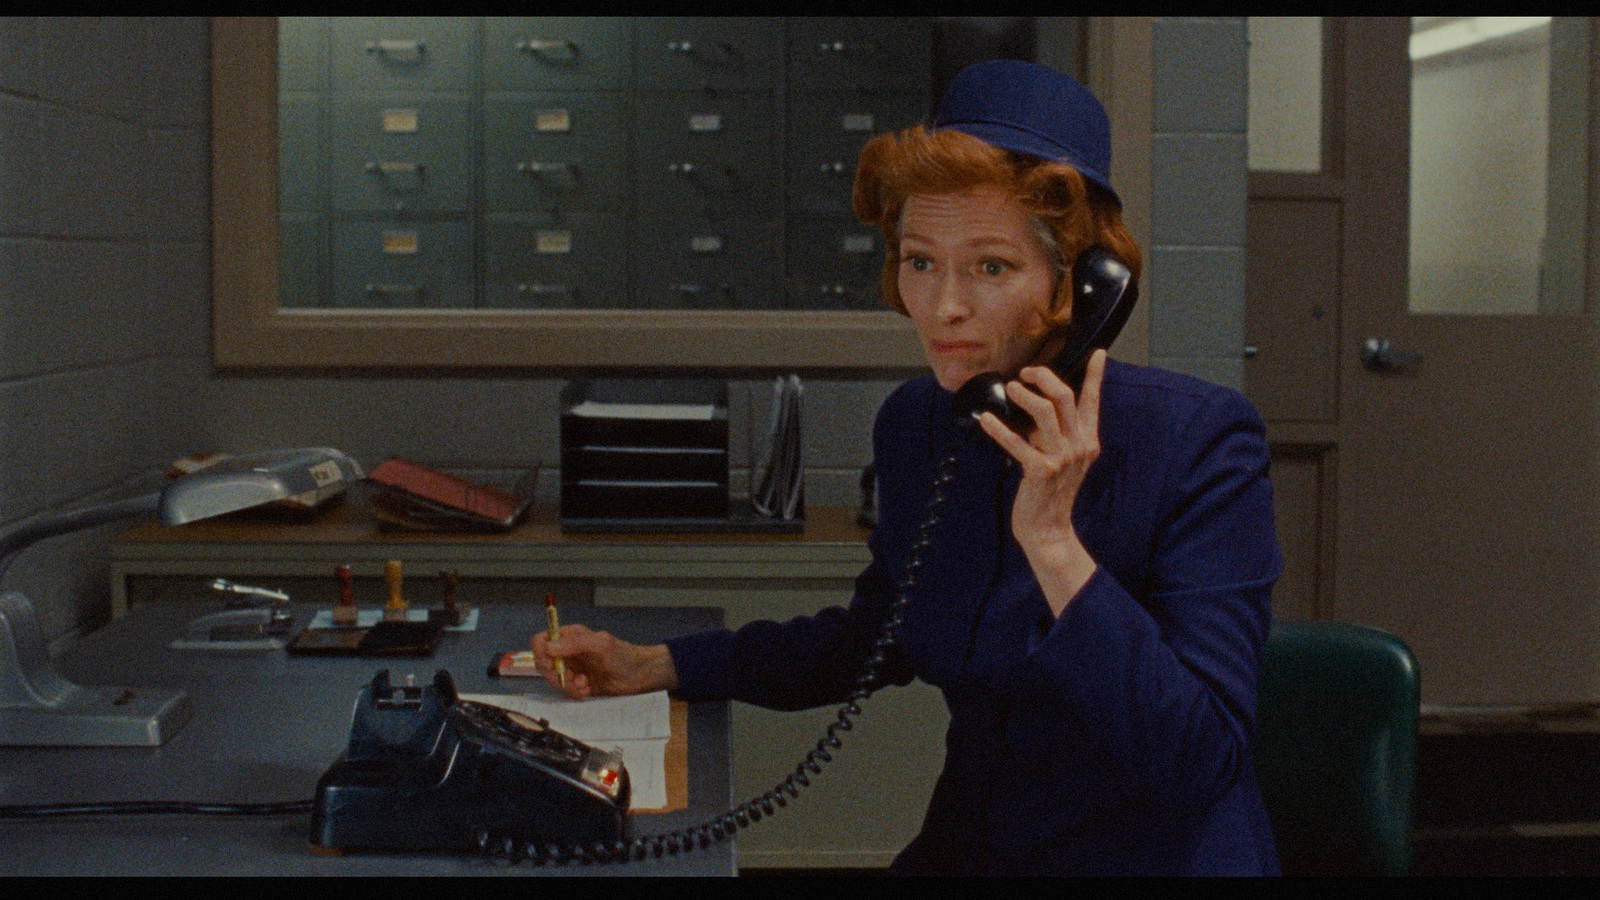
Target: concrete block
1198	190
19	52
177	82
1201	308
68	305
95	64
1226	372
1200	79
91	175
177	186
20	143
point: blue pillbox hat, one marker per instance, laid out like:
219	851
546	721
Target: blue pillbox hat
1031	109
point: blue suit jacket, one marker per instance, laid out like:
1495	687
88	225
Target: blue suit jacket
1114	739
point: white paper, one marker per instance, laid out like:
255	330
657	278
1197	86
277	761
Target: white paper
638	726
593	409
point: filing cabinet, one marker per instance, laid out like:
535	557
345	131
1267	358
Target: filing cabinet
302	54
570	261
554	53
402	264
302	166
835	262
402	153
711	55
405	53
583	162
302	278
701	153
702	262
860	54
826	133
561	150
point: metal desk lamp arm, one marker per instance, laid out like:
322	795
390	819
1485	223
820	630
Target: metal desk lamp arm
40	707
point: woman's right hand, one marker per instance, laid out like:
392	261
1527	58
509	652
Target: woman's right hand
600	665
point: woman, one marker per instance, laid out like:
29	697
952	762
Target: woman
1095	597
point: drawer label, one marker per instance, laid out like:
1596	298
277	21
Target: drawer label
552	120
705	122
856	122
400	242
399	121
552	241
857	243
706	243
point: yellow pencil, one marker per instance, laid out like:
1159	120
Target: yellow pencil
554	623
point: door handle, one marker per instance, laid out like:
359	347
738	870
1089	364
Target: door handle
1379	356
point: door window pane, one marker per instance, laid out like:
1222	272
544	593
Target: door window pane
1499	109
1285	93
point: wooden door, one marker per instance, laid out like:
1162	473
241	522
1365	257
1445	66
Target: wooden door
1457	496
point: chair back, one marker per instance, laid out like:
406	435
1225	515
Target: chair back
1335	747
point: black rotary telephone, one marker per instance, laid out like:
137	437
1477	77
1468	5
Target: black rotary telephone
525	792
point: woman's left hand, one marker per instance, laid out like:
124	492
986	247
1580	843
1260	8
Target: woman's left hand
1065	442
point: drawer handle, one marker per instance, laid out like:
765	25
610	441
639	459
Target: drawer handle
847	47
546	290
833	168
405	51
715	52
562	173
834	290
396	290
550	51
400	176
696	290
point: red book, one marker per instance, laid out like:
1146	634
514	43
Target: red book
414	495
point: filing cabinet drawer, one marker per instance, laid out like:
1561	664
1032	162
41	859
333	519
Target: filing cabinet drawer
826	134
402	154
302	53
302	261
575	262
698	263
834	263
701	53
402	265
696	153
302	164
876	53
405	53
544	53
566	150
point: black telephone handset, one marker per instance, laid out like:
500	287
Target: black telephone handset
1103	296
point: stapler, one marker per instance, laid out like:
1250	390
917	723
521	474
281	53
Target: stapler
257	619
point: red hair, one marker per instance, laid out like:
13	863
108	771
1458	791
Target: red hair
1077	213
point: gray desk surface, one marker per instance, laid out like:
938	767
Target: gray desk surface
265	728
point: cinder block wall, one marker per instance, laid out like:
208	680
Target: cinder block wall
105	372
1197	197
104	304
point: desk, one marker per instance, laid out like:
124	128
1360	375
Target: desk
265	727
859	813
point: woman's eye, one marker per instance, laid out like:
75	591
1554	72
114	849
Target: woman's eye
994	267
918	264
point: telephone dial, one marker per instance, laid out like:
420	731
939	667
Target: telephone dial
426	770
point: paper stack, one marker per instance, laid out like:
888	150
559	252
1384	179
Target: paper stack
779	492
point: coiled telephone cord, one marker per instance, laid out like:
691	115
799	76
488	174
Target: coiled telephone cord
717	830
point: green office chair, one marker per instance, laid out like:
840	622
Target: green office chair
1336	747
